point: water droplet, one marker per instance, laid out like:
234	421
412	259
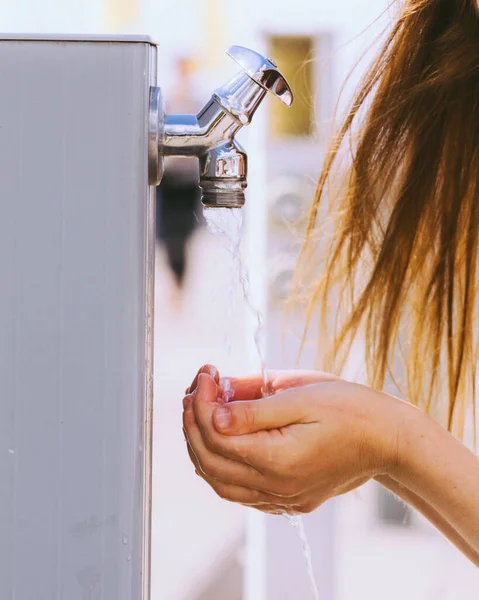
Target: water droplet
11	451
228	393
128	558
125	540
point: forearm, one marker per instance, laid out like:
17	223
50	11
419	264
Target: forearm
441	474
431	514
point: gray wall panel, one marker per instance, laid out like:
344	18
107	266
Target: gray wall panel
75	263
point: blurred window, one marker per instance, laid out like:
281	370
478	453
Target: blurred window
294	56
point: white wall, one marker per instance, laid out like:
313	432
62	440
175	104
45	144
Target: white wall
52	16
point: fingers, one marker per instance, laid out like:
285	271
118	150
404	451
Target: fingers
270	509
207	369
286	380
245	496
236	448
250	387
215	466
275	412
262	501
242	495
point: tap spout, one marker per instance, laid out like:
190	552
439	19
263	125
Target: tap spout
223	176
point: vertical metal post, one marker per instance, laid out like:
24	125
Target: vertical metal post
76	276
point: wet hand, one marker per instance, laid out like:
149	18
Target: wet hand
316	438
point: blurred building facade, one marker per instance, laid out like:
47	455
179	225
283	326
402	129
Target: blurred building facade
365	546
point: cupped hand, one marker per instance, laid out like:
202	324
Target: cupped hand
317	437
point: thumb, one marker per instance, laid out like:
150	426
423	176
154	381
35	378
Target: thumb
274	412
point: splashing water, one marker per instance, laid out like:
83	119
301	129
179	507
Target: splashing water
228	222
228	393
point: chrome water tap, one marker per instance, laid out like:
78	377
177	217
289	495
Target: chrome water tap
210	135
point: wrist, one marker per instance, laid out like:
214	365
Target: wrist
408	426
391	420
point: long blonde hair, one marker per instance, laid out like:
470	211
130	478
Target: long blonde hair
401	262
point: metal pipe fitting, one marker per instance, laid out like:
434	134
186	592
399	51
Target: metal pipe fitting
223	172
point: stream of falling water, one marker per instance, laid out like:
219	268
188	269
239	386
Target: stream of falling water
298	523
228	222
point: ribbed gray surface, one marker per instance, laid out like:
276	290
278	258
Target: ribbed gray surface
74	249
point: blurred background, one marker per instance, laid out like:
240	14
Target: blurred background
366	546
